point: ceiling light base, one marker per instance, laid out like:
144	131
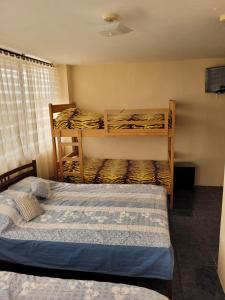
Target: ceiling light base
222	18
112	17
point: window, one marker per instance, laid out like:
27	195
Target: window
25	90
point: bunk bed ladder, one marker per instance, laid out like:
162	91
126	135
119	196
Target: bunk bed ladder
75	156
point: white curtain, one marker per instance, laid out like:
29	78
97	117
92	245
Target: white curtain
26	88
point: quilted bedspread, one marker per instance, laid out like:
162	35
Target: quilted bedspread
104	228
15	286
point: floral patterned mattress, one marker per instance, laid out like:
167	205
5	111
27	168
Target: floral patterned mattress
15	286
117	229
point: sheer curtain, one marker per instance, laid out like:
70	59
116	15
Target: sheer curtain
26	88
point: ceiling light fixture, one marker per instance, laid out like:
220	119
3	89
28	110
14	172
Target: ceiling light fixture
113	26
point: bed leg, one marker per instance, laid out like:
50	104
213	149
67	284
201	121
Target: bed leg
171	198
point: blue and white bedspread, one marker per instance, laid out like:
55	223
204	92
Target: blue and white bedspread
15	286
111	229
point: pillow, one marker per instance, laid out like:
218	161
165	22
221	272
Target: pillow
27	204
23	185
40	188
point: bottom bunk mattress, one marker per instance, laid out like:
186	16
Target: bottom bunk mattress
117	230
14	286
120	171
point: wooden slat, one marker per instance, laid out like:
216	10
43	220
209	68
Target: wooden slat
80	153
60	157
71	154
138	134
136	111
66	132
54	150
60	107
12	176
138	130
118	132
70	144
18	169
166	121
114	122
4	185
169	160
171	147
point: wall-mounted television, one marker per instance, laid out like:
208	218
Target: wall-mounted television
215	80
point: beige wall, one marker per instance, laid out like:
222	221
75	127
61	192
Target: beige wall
63	79
151	84
221	262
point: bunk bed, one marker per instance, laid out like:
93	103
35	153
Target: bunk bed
67	121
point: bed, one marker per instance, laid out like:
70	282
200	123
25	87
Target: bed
69	125
116	232
91	228
14	286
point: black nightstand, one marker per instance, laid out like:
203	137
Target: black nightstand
184	179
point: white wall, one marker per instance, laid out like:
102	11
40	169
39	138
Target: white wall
221	261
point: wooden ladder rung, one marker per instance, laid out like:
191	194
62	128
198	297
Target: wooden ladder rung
69	143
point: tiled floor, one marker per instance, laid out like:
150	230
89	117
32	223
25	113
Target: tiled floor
195	237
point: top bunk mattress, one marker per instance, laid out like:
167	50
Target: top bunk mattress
73	118
117	230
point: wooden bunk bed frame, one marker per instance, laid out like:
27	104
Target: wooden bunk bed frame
58	135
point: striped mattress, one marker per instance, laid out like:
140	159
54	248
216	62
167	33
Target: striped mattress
120	171
73	118
113	229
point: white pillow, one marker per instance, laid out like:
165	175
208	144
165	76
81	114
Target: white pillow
27	204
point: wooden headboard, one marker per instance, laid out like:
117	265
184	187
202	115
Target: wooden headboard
17	174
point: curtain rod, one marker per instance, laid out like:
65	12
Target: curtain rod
25	57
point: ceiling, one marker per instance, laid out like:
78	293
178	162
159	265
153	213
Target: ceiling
65	31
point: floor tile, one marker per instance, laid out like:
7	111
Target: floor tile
195	238
201	283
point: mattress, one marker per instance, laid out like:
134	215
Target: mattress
120	171
72	118
15	286
86	120
149	117
62	120
120	230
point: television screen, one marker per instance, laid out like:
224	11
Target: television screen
215	80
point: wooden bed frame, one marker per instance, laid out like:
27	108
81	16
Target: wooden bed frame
159	285
76	135
17	174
